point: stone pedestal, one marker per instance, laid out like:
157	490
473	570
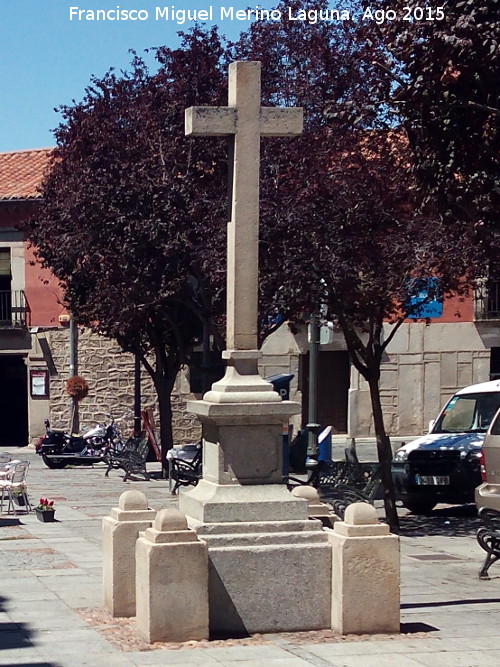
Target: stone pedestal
119	533
365	574
172	581
269	565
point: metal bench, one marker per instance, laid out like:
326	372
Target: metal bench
488	537
185	473
131	459
348	482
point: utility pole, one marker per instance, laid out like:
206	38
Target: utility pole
312	426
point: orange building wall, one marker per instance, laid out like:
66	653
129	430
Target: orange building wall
43	292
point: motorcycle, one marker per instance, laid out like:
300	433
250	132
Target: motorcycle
59	449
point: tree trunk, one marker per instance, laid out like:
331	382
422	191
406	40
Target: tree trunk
384	452
164	388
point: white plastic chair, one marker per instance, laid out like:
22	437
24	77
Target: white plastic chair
14	484
5	463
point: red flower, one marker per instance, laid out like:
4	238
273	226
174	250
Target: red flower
45	504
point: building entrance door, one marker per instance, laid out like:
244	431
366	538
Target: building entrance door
333	389
13	401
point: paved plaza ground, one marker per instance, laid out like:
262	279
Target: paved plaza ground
50	592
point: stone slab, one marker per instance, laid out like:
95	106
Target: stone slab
217	503
254	578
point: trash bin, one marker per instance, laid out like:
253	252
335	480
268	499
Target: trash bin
325	444
281	384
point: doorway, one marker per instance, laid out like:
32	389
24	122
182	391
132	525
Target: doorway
333	389
13	401
495	363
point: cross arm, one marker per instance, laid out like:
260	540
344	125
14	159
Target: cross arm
210	121
281	122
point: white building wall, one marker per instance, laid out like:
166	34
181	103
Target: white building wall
424	365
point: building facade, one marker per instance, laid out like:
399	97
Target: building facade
425	363
35	346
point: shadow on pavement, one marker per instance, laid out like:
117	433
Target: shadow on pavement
450	603
14	636
452	521
10	521
412	628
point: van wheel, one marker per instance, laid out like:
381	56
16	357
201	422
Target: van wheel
419	506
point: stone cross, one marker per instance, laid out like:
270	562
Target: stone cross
246	121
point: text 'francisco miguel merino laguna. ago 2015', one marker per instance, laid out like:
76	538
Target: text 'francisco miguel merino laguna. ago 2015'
210	13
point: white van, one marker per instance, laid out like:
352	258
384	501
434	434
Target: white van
444	466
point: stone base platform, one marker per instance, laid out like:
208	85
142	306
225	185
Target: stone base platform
268	576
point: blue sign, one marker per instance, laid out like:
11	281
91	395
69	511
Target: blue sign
425	300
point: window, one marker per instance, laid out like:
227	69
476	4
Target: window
5	286
487	299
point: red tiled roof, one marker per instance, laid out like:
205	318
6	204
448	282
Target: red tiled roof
21	173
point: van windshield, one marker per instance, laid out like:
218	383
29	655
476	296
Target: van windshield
469	413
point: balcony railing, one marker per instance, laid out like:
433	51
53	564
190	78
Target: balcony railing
14	310
487	300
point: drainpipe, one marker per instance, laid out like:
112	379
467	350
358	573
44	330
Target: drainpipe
73	370
137	395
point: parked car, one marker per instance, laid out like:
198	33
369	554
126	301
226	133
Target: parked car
488	493
444	466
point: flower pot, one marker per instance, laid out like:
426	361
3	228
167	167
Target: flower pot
45	515
19	500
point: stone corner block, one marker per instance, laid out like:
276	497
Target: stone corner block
171	581
365	574
120	531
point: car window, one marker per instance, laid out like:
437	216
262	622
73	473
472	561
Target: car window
488	405
468	412
495	427
458	415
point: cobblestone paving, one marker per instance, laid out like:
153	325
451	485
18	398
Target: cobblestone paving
51	613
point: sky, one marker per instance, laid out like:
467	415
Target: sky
47	59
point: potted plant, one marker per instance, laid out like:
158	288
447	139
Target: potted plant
19	495
45	510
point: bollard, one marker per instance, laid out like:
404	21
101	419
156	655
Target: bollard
316	509
171	581
119	534
365	573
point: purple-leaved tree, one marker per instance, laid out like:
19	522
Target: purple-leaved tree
133	214
339	204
